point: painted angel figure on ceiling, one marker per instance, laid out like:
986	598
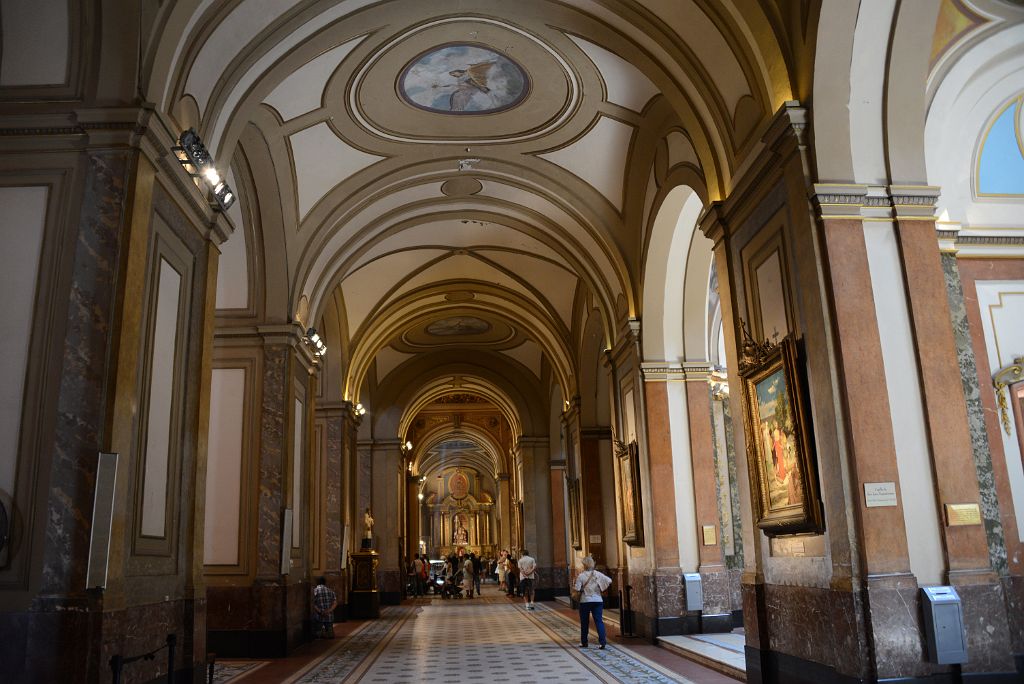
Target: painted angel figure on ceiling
468	82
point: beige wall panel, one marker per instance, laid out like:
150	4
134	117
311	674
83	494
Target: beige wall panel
224	467
21	232
161	396
27	60
772	298
298	456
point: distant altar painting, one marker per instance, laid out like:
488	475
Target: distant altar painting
463	79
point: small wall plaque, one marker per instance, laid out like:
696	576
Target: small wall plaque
963	514
879	494
595	539
710	536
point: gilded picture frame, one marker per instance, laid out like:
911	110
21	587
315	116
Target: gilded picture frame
780	451
628	464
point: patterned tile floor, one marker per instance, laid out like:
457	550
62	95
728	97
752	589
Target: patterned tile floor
476	641
480	640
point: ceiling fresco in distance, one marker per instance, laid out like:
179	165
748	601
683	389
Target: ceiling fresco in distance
464	79
459	325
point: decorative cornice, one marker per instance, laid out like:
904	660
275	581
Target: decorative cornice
874	202
667	371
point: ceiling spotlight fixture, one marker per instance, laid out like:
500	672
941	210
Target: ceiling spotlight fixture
360	410
313	340
408	446
420	496
198	163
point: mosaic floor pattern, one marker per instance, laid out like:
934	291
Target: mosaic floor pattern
224	672
475	641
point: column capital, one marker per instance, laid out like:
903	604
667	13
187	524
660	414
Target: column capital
915	202
290	335
712	222
874	202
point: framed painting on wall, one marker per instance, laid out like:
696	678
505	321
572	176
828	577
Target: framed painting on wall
628	464
780	454
573	488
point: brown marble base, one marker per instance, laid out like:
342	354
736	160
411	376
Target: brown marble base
873	635
552	582
266	618
389	582
72	643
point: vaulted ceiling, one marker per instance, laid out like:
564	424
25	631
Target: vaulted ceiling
415	164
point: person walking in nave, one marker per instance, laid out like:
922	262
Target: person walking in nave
591	584
527	575
467	576
417	571
512	576
478	571
502	569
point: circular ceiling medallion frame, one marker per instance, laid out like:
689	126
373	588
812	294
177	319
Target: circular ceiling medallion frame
467	82
573	102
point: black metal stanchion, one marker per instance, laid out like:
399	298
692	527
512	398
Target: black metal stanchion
626	623
172	643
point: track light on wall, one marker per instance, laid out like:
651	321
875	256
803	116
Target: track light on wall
313	340
198	162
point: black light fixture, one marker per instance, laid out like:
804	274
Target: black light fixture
197	161
313	340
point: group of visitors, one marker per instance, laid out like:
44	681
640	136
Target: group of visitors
463	573
516	577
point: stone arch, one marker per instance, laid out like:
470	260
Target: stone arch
675	308
869	94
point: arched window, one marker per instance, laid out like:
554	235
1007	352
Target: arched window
1001	158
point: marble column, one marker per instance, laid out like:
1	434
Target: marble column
966	547
268	614
504	511
106	173
331	492
535	455
669	615
717	610
386	490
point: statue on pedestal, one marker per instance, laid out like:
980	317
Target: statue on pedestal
368	533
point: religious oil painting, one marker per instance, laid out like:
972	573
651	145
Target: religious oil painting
778	440
464	79
628	460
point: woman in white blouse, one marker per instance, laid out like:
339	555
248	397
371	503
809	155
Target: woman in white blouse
591	583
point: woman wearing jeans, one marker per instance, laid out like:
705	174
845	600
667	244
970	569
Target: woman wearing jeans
591	583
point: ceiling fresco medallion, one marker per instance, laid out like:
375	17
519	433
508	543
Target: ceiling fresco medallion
459	325
463	78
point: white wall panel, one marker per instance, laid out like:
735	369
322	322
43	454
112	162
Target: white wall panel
297	471
1002	318
35	42
161	398
22	222
224	467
